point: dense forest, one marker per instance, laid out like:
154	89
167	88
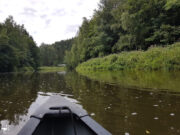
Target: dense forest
116	26
18	50
125	25
53	54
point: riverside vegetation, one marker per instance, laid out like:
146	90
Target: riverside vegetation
46	69
155	58
118	28
19	52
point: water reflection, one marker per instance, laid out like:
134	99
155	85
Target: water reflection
127	110
120	109
152	81
21	94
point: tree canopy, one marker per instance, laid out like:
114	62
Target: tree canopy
116	26
17	48
53	54
124	25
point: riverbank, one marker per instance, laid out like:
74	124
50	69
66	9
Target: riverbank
42	69
51	69
155	58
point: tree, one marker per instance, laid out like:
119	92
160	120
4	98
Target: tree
8	58
53	54
124	25
17	47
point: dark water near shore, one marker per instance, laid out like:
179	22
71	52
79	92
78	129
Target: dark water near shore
123	104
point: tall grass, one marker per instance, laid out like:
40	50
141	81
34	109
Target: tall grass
51	69
155	58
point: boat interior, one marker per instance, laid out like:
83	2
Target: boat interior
62	125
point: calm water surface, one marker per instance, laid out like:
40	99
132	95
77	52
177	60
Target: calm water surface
124	103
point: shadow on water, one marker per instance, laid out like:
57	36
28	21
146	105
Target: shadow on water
124	103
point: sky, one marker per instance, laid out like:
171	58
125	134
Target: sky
48	21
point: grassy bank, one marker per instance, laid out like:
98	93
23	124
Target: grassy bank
155	58
51	69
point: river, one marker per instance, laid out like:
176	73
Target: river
124	103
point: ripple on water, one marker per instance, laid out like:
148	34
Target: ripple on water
92	114
172	128
160	101
155	105
134	113
126	117
156	118
107	108
172	114
147	132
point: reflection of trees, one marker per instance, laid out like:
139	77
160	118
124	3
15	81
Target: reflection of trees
17	92
53	82
96	97
114	105
156	80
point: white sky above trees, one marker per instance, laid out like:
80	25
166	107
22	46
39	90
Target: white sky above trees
48	20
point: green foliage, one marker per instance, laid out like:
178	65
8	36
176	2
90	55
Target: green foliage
125	25
47	55
172	4
17	48
155	58
8	58
46	69
167	34
52	55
